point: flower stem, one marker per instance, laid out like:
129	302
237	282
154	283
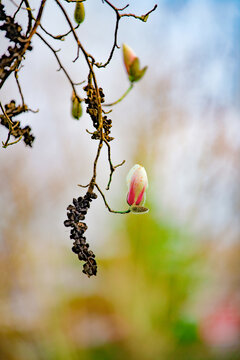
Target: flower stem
105	202
122	97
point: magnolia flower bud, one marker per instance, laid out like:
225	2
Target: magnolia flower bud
128	56
132	64
137	183
76	107
79	13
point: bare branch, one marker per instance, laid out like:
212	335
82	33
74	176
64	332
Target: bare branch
59	63
18	84
58	37
112	168
19	7
118	18
142	17
30	17
108	207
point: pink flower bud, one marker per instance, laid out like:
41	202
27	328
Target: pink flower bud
137	182
128	57
132	64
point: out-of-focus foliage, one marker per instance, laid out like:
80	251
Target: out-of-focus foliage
142	306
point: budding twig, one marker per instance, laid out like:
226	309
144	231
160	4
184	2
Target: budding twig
19	7
59	63
142	17
108	207
118	18
26	45
18	84
58	37
112	168
122	97
83	186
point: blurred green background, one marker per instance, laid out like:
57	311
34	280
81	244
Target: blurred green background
168	281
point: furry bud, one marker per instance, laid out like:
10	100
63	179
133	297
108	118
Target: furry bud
79	13
76	107
132	64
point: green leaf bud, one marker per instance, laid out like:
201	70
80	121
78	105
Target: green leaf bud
132	64
76	107
135	73
79	13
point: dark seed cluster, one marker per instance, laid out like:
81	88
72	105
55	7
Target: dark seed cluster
12	58
13	30
107	124
92	110
76	213
12	110
9	62
92	103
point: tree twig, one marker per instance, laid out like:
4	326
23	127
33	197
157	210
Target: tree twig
118	18
106	204
18	84
112	167
59	63
142	17
58	37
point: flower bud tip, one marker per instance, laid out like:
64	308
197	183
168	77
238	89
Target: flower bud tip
137	183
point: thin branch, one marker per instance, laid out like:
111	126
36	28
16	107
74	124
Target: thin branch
37	23
118	18
58	37
59	62
74	1
83	186
86	55
93	180
18	84
112	167
6	144
115	45
89	132
7	117
123	8
33	111
19	7
142	17
22	8
106	204
30	17
27	42
100	120
11	127
106	112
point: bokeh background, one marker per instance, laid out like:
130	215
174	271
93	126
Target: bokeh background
168	281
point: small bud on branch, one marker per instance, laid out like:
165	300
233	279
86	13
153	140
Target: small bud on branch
132	64
79	13
137	183
76	107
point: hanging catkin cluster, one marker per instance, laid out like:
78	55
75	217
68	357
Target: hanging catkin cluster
76	214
